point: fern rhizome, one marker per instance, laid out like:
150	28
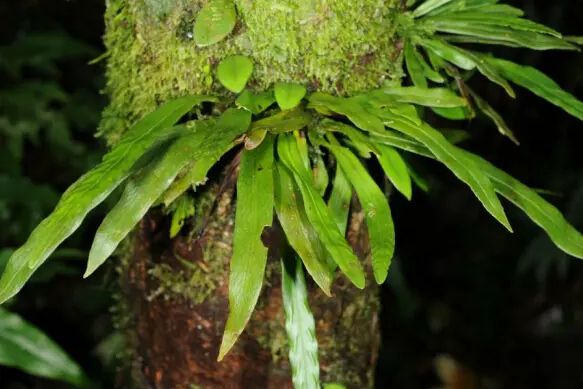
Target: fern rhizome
303	154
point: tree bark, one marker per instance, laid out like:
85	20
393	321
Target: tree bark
174	292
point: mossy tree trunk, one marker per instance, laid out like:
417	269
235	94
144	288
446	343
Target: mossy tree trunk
174	291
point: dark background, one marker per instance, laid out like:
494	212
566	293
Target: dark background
467	305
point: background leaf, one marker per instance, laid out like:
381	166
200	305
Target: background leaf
214	22
234	72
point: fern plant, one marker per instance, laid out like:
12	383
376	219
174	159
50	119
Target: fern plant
284	134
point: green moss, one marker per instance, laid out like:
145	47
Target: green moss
338	46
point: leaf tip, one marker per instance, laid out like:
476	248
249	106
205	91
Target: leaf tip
229	339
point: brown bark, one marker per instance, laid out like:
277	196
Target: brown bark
175	341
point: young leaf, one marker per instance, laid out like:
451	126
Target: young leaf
209	140
183	210
539	84
234	72
320	174
300	234
255	201
289	95
89	191
339	201
376	209
495	116
300	327
451	156
25	347
214	22
255	102
396	169
414	66
318	214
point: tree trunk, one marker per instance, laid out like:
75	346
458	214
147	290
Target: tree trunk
174	298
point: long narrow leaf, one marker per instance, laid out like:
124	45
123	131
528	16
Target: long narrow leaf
376	209
255	201
396	169
300	327
318	214
89	191
339	201
451	156
300	234
539	84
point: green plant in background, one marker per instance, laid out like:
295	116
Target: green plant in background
37	112
304	153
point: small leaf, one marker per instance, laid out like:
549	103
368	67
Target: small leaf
300	234
234	72
254	139
539	84
318	214
255	102
414	66
428	6
396	169
25	347
89	191
320	174
214	22
300	327
183	210
376	209
289	95
255	201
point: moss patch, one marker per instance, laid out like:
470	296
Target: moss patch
337	46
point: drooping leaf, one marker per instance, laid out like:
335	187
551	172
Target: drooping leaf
300	326
451	156
376	209
495	116
396	169
318	214
207	142
539	84
25	347
289	95
300	234
255	102
545	215
89	191
234	72
214	22
255	201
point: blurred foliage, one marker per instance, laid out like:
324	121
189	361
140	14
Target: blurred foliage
49	109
